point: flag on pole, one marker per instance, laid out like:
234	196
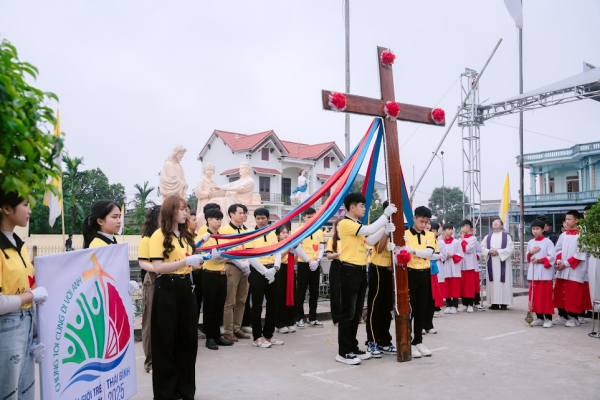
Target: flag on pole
50	199
505	203
122	220
515	9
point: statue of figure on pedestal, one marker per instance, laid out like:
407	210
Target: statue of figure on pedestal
172	177
240	191
301	193
207	191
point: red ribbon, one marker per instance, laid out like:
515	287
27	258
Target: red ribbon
289	292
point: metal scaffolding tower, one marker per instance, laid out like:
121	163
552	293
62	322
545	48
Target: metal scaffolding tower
469	120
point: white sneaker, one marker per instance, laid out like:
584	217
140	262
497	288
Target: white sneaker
222	330
423	350
246	329
431	331
261	342
547	323
362	355
349	359
538	322
201	334
581	320
559	321
461	308
447	310
285	329
300	324
437	314
315	324
470	309
275	341
479	307
572	322
423	332
291	329
453	310
414	352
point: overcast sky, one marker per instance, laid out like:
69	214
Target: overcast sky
137	78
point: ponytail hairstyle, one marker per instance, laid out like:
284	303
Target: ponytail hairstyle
151	221
169	208
90	226
336	235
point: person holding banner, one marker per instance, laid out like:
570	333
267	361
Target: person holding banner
174	309
19	348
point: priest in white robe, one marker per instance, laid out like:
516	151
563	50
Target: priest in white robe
498	248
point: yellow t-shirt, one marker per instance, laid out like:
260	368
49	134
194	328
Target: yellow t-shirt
383	259
17	275
329	248
353	247
181	251
230	229
420	242
101	240
211	265
201	232
144	249
310	245
264	241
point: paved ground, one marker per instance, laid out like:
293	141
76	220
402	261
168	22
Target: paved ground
488	355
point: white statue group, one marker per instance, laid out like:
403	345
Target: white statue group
172	182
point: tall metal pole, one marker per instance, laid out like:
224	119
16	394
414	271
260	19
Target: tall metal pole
347	26
443	189
521	282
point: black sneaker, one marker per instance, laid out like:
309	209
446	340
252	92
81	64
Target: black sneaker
349	359
363	355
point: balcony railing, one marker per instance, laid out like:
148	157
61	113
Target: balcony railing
556	198
545	155
267	197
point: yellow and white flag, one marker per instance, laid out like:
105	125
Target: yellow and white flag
505	203
515	9
122	220
50	199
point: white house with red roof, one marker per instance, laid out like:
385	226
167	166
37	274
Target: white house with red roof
276	163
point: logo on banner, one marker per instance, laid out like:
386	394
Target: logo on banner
97	333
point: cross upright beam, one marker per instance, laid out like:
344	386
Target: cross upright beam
411	113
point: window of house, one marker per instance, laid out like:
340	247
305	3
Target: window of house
551	185
264	188
326	162
572	184
265	154
234	178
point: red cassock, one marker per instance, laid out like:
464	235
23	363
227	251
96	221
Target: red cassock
542	300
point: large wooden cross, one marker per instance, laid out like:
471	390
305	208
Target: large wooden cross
408	112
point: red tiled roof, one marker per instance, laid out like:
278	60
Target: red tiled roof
301	150
323	176
238	141
256	169
274	217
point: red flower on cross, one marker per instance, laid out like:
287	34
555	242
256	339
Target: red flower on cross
337	102
438	115
391	110
387	58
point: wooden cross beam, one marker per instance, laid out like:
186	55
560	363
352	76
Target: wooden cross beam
408	112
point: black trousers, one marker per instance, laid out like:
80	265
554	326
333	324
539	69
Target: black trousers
247	319
199	290
452	302
419	290
334	290
543	316
353	286
379	305
261	289
174	325
215	292
430	309
286	315
307	279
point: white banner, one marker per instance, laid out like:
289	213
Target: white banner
86	325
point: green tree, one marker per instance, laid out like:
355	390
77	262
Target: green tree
140	202
72	181
589	239
28	147
453	200
192	201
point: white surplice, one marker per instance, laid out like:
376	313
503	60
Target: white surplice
499	292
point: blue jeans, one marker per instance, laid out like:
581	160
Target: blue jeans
17	377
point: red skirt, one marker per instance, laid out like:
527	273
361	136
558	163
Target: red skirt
586	297
468	283
436	291
543	302
559	293
452	288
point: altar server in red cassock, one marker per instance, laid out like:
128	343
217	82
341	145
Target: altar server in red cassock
451	259
469	266
540	256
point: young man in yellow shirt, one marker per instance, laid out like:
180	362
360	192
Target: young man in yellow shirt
310	254
355	237
421	244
